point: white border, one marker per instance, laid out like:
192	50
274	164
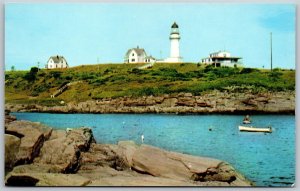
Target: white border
2	2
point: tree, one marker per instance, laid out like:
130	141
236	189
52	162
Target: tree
12	68
31	75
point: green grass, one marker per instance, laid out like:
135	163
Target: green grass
116	80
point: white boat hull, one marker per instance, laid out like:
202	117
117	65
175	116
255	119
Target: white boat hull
254	129
246	122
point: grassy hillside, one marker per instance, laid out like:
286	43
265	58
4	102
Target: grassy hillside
115	80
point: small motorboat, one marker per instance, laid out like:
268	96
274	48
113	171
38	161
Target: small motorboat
255	129
246	121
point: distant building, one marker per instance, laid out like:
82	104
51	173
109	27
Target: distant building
222	58
135	55
56	62
150	59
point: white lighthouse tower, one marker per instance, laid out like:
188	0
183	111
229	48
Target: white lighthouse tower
174	39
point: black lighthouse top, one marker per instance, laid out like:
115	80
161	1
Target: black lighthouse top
174	25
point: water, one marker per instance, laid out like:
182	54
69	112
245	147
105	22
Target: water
266	159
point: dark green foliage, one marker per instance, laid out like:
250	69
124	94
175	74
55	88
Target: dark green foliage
275	75
31	75
98	81
147	91
55	74
248	70
34	70
41	74
39	89
108	71
87	76
208	68
136	71
118	78
69	77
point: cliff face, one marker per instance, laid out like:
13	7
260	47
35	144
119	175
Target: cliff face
36	155
214	102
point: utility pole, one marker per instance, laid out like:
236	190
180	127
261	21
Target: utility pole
271	52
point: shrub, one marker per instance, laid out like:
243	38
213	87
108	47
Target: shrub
275	75
31	75
248	70
55	74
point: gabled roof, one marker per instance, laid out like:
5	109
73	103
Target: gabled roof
138	50
150	57
57	59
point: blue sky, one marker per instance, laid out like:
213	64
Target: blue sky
86	33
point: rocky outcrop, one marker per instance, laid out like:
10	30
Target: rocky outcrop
32	137
72	158
64	148
160	163
12	144
125	163
213	102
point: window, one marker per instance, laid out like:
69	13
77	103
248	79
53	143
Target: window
132	54
133	60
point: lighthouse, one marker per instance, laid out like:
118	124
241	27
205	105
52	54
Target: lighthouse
174	41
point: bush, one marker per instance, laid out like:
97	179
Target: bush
136	71
69	77
55	74
31	75
275	75
248	70
147	91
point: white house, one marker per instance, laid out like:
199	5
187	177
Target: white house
135	55
56	62
222	58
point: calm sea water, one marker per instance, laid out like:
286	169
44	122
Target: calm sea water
266	159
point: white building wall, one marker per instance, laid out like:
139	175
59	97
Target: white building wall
174	52
133	57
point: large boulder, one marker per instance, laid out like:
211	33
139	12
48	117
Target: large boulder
126	151
103	155
63	149
32	137
12	144
159	163
154	161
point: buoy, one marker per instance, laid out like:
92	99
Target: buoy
142	138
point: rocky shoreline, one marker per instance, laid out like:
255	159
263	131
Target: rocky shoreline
182	103
36	155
